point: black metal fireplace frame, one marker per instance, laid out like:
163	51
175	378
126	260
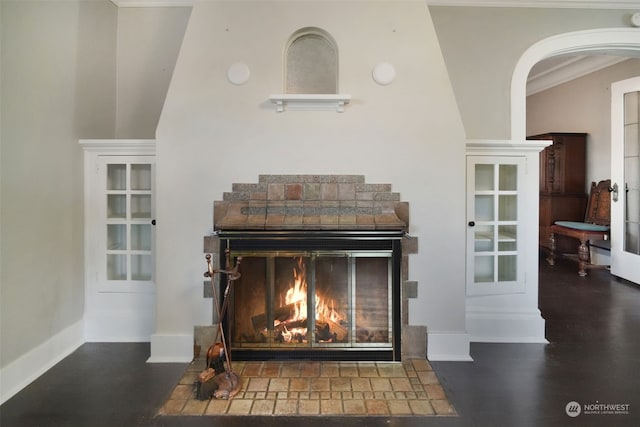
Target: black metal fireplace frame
320	240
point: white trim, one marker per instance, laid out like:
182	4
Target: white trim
569	4
124	147
153	3
171	348
502	147
552	4
574	42
28	367
450	347
505	325
310	102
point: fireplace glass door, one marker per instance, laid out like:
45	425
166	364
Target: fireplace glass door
312	300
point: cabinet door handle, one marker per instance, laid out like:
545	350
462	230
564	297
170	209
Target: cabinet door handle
472	223
614	192
153	222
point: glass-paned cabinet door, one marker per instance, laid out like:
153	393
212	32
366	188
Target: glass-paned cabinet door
494	215
127	210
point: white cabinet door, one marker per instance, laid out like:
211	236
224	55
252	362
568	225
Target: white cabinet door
127	221
625	179
494	215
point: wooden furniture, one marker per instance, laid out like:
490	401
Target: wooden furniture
594	227
562	184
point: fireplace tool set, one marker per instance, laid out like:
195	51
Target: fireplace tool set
218	380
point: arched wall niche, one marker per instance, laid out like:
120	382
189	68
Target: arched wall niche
611	40
311	62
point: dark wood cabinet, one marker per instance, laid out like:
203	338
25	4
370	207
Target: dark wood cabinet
562	183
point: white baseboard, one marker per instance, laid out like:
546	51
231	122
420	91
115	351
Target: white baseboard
118	339
171	348
449	347
28	367
505	326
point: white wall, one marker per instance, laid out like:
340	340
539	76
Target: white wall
148	42
212	133
582	105
58	62
482	46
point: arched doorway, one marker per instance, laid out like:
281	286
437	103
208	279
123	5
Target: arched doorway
618	41
597	40
612	41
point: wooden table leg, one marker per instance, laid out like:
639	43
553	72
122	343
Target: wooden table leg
583	257
551	258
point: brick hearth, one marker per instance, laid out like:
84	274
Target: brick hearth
410	388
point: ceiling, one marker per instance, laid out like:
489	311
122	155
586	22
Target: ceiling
560	69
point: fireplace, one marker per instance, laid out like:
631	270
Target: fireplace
323	260
309	294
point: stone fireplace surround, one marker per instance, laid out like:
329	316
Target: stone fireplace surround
317	203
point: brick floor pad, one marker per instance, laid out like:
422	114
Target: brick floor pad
319	388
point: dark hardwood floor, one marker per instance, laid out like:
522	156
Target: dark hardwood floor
593	326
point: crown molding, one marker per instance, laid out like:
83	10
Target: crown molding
153	3
577	4
551	4
570	69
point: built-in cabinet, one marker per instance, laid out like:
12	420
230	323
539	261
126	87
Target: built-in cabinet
562	184
502	241
119	239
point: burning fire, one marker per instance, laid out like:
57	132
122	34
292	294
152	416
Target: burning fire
297	294
296	298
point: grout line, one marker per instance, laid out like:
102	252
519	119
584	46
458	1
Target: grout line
333	388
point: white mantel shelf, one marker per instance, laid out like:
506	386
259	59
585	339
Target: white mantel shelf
310	102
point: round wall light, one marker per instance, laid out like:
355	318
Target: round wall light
384	73
238	73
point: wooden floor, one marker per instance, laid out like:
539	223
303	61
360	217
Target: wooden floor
593	325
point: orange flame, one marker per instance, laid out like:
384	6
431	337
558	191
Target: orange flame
297	296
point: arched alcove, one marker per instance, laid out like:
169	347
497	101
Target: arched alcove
310	73
311	63
598	40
